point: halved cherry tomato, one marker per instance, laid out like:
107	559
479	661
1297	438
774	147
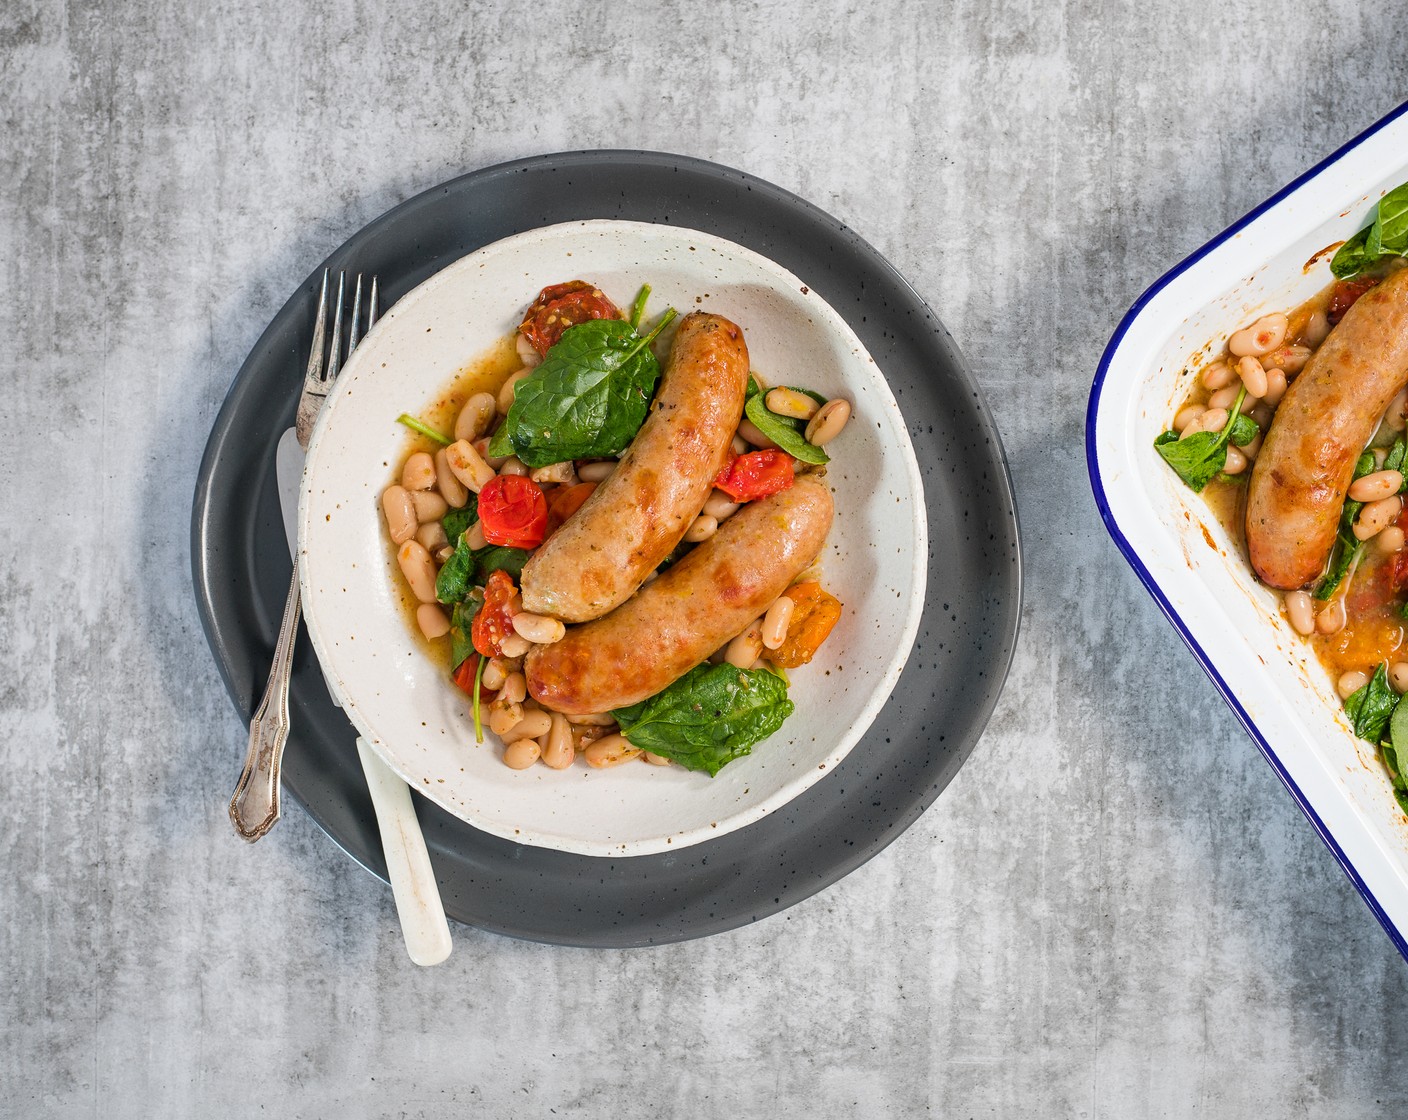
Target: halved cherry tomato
1344	295
513	511
560	306
565	502
494	622
756	475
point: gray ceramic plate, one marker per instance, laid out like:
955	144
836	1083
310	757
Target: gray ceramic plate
923	734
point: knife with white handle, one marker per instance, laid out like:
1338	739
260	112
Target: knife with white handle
413	885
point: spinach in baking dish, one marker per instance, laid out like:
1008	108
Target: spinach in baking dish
1372	706
1347	547
469	567
1386	236
710	716
1200	458
587	399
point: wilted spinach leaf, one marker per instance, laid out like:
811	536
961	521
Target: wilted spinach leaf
1347	546
458	520
1385	236
1371	708
461	618
587	399
710	716
1199	458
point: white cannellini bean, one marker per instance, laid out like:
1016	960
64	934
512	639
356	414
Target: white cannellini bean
826	425
515	689
1350	683
1372	487
1375	517
1236	461
749	431
1290	359
1275	386
1300	610
720	506
494	675
432	621
1330	619
430	506
1225	398
514	465
538	628
432	537
474	536
610	750
701	529
1263	336
559	751
1397	410
789	402
1181	421
776	621
1253	377
507	390
1391	540
481	445
419	570
514	645
1253	449
400	511
476	416
745	648
563	473
1317	327
535	722
526	352
521	753
596	472
468	465
1219	375
451	488
419	472
504	716
1398	675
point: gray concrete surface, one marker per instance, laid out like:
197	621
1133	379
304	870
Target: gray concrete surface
1115	910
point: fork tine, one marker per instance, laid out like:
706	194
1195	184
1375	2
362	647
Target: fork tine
355	334
315	353
371	306
335	347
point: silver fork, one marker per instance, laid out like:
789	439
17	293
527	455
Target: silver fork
255	805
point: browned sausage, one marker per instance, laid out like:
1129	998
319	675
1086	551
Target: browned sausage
691	610
640	513
1323	423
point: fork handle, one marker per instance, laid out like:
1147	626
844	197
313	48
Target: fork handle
255	805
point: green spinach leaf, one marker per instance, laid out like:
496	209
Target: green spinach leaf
785	431
1199	458
493	558
1244	430
1396	454
458	520
1371	708
457	574
461	618
710	716
587	399
1347	546
1386	236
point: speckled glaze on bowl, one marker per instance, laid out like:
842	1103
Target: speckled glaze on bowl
923	735
1273	259
400	698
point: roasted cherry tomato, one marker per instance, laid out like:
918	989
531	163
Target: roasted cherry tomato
565	502
464	677
560	306
813	616
494	622
513	511
1344	295
756	475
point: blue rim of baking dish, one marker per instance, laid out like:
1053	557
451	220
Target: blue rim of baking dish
1147	579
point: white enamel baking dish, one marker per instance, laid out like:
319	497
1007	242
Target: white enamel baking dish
1270	260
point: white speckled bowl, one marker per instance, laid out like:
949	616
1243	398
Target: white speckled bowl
401	701
1271	260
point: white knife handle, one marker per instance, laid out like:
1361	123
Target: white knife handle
413	885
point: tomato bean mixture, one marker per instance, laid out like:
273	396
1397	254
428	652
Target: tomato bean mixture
474	504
